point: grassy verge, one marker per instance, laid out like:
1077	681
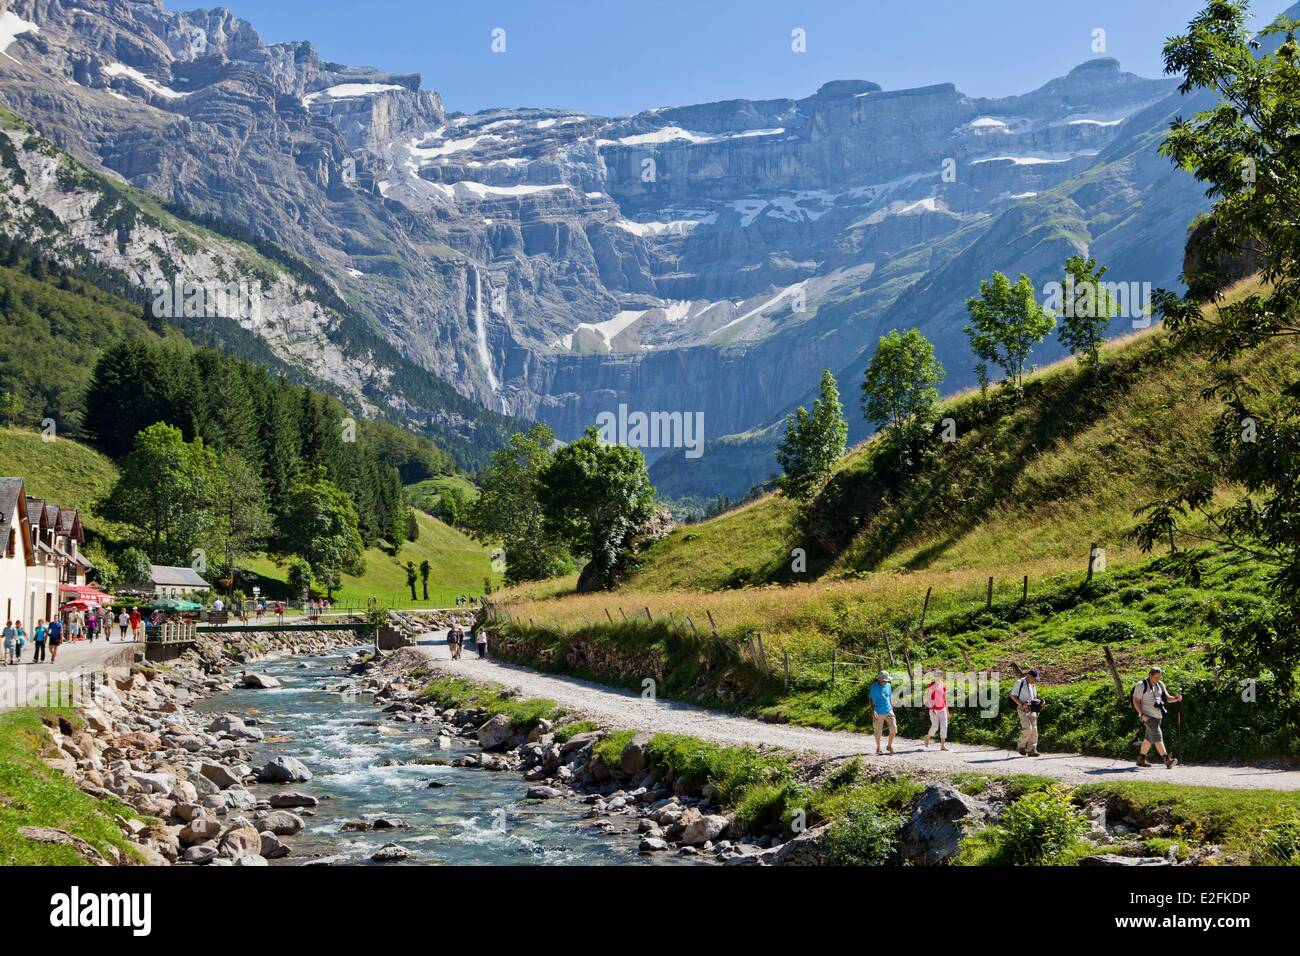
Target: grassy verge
524	713
33	795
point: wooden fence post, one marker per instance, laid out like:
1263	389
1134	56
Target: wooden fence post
610	616
785	661
1024	593
712	625
692	624
888	650
762	653
834	654
623	613
1092	557
648	617
1114	671
920	627
966	657
988	603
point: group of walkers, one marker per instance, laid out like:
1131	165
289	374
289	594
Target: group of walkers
48	636
1150	698
466	601
456	641
43	635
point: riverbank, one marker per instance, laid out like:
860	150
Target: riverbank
131	756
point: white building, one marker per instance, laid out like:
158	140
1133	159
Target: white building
42	566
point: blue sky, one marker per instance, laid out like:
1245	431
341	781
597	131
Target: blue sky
620	56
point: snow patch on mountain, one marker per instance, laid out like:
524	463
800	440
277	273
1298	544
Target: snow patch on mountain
153	86
11	27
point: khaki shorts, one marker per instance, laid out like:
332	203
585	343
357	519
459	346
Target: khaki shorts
1153	732
879	721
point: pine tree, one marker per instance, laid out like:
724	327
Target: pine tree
813	443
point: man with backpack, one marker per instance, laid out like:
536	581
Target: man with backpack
1025	696
1150	700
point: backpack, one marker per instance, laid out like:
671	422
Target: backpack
1161	702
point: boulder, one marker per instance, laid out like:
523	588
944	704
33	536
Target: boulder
543	793
257	681
651	844
391	853
699	828
496	733
240	840
222	776
806	849
939	820
199	830
273	848
578	741
389	823
279	822
284	770
199	855
634	759
290	798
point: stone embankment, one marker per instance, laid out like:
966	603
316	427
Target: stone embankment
187	775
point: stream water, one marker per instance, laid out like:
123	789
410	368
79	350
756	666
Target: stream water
363	766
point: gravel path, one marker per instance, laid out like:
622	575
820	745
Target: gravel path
626	709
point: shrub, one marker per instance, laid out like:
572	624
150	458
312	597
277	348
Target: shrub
1280	843
1041	826
864	836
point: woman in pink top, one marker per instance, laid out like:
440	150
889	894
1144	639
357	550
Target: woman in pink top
936	702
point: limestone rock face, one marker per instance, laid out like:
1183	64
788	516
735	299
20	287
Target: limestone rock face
709	258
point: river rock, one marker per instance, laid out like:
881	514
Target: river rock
391	853
220	775
291	798
633	759
240	840
653	844
279	822
543	793
200	855
273	848
496	733
578	741
284	770
938	822
699	828
257	681
199	830
389	823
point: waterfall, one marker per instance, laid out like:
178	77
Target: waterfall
480	332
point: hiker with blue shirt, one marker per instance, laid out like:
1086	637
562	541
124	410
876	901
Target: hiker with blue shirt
38	641
11	643
882	709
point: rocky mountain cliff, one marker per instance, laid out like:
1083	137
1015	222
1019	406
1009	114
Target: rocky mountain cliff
550	264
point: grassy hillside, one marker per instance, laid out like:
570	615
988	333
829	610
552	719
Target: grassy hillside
1014	502
63	471
1023	488
459	563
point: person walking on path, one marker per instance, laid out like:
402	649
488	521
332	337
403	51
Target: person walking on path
482	642
135	620
21	640
123	622
882	709
11	643
1151	699
55	639
936	702
39	636
92	625
1025	696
